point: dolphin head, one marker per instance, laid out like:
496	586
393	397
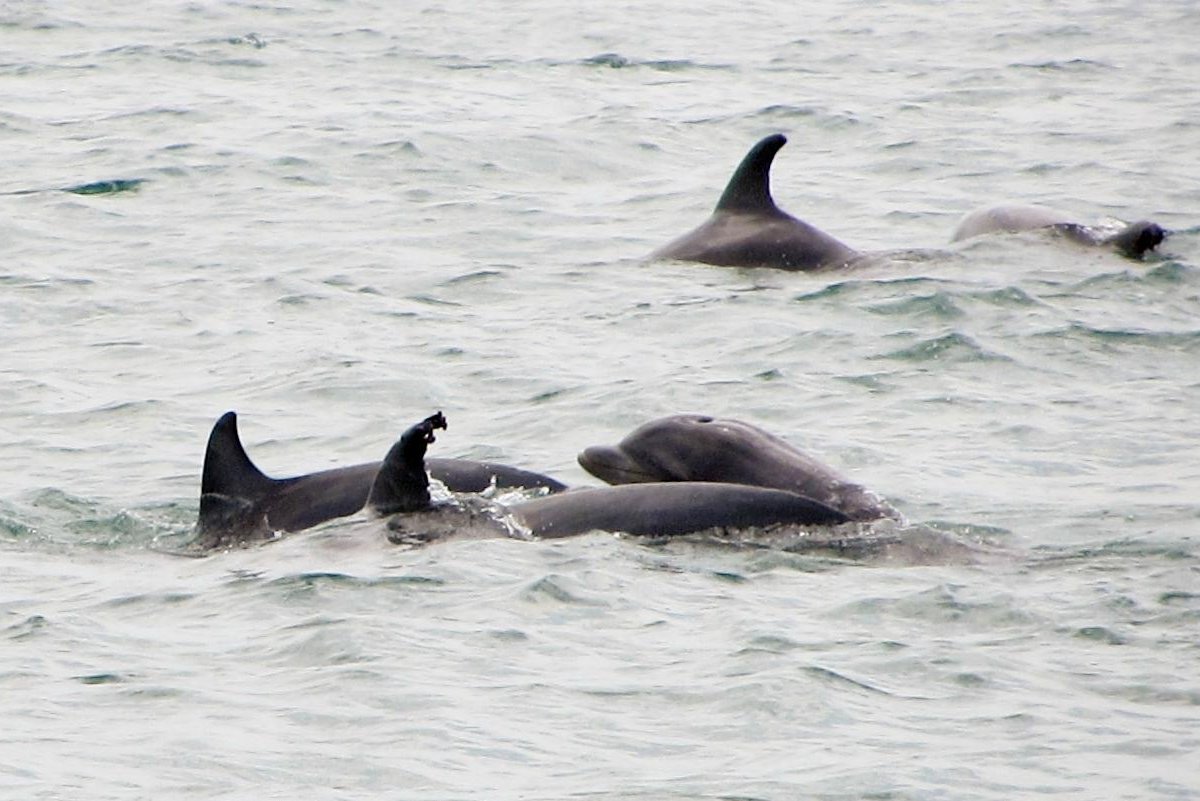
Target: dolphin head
695	447
1139	238
682	447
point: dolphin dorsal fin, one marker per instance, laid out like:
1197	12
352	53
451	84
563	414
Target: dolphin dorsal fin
750	187
402	483
227	469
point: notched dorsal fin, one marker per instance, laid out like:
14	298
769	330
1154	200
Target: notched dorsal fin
402	484
227	469
750	187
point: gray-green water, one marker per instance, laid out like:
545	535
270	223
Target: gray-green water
339	217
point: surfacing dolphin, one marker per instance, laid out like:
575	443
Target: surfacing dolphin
239	502
401	491
747	229
694	447
736	514
1133	241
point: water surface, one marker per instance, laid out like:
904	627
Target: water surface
338	218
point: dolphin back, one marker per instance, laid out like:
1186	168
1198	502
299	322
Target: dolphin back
670	509
747	229
240	503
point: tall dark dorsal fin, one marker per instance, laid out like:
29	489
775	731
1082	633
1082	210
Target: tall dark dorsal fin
227	468
749	189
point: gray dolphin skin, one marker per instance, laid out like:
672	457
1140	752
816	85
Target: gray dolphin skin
238	502
664	510
1133	241
653	510
668	510
747	229
693	447
256	507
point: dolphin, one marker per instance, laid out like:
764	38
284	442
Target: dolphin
694	447
747	229
650	510
239	502
256	507
401	490
398	490
668	510
773	517
1133	241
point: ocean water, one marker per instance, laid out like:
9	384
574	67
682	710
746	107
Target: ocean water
337	218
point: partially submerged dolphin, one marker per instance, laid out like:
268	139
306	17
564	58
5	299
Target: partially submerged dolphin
693	447
1134	240
747	229
399	489
652	510
735	513
236	497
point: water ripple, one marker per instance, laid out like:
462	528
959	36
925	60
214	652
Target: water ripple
833	677
937	306
951	348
